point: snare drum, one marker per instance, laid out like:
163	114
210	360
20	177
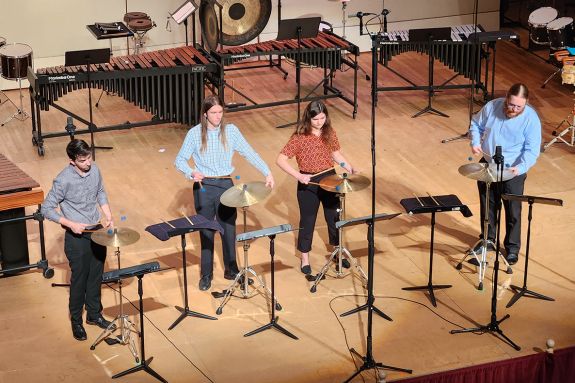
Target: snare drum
560	32
140	25
538	20
134	16
14	61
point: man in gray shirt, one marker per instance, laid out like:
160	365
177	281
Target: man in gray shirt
77	191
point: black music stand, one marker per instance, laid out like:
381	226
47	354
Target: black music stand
523	291
433	204
430	35
271	233
182	226
89	58
143	365
368	361
303	28
181	15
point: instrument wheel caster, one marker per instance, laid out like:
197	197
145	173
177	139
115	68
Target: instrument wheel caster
34	141
48	273
92	348
219	311
285	76
41	151
354	114
459	266
509	270
278	306
137	360
480	287
313	289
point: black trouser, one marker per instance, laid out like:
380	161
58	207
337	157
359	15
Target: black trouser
309	198
207	204
86	260
512	241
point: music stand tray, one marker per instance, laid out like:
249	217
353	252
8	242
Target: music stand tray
123	31
180	227
523	291
433	205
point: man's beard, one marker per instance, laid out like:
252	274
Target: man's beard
513	113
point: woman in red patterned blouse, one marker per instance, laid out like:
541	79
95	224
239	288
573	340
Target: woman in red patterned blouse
315	147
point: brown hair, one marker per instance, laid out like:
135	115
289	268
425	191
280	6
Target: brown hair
208	103
313	109
518	90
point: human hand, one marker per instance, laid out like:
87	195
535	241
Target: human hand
197	176
303	178
77	227
476	150
270	181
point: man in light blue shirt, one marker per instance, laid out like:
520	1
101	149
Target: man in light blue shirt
212	144
515	126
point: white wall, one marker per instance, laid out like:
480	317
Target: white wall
54	27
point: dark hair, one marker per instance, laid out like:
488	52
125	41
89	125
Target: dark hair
518	90
313	109
209	102
77	148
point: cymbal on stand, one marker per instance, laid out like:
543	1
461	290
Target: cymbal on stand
484	172
117	237
242	195
344	183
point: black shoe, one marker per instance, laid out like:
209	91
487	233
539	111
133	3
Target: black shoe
78	331
205	282
512	258
230	275
306	269
344	262
100	322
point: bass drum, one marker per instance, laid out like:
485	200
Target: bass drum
538	20
15	60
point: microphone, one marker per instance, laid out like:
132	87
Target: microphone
498	157
70	127
360	14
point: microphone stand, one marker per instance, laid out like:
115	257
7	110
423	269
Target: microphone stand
493	325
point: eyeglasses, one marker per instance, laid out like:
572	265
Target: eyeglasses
515	107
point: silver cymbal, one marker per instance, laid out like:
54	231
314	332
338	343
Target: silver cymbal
242	195
117	237
484	172
345	183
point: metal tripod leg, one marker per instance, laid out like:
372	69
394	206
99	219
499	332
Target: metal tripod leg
479	252
243	287
550	77
339	273
20	113
126	327
559	137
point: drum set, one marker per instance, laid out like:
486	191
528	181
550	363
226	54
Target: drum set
139	23
15	59
545	29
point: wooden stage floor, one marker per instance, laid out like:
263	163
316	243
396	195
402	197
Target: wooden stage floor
145	188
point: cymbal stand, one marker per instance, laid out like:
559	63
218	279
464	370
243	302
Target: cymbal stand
20	113
480	248
242	279
493	325
343	22
340	251
121	322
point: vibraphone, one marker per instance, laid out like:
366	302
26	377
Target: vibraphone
167	83
326	51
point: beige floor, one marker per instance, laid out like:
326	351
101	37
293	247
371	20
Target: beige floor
144	188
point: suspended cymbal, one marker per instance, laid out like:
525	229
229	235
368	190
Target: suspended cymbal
484	172
117	237
243	195
344	183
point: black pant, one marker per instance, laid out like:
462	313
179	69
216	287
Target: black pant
309	198
207	204
512	241
86	260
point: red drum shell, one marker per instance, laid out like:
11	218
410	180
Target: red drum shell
140	25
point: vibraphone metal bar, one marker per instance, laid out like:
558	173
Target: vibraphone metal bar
325	51
461	55
169	84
